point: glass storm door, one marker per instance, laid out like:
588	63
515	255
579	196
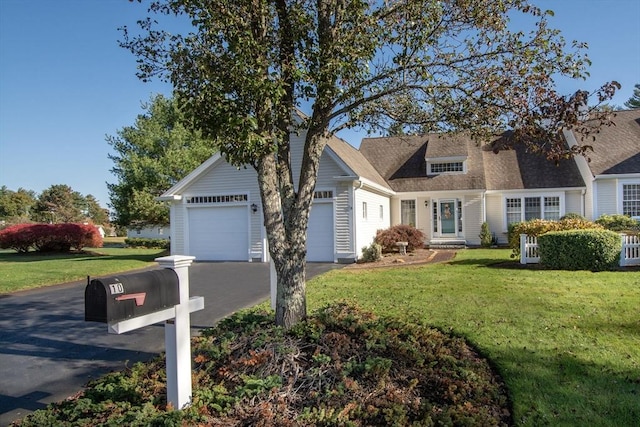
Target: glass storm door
448	217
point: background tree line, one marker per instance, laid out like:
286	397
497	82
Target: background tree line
56	204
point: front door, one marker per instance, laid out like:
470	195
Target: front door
447	217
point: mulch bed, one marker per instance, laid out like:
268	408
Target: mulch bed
419	256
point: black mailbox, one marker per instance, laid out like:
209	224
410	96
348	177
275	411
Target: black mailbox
117	298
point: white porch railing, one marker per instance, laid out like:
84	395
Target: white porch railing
629	255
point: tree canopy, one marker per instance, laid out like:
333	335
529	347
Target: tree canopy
16	206
634	101
151	156
440	65
58	203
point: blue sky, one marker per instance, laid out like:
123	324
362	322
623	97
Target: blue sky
65	83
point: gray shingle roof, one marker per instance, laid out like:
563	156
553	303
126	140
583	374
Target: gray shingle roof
518	169
401	162
356	161
616	149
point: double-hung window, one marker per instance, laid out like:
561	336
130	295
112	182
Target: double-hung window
631	199
523	208
408	212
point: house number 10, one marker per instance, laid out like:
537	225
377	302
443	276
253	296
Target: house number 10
116	288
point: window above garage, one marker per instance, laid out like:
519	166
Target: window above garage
227	198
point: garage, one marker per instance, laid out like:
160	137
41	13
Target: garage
219	233
320	233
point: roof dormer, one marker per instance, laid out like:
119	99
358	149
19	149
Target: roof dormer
446	154
446	165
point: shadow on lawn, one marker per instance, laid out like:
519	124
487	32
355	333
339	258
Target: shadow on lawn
516	265
561	388
79	256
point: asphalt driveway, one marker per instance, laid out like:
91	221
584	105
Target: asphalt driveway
48	352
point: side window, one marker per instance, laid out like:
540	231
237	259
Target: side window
408	212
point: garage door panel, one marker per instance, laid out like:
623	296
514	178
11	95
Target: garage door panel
219	233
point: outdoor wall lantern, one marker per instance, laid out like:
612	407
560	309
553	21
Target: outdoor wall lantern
254	208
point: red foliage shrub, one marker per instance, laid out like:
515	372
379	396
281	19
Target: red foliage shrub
400	233
49	237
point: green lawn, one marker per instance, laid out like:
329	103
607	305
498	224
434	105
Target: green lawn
566	343
32	270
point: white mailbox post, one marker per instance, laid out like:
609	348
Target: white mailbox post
177	334
111	300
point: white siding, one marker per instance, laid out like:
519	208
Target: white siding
423	217
573	203
606	201
472	218
367	227
223	179
178	227
495	216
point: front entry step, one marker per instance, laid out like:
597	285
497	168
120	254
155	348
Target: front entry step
447	244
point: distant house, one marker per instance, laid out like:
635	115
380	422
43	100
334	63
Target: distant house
150	232
446	186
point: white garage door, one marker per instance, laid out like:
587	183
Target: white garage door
219	233
320	233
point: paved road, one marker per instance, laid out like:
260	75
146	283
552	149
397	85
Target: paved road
48	352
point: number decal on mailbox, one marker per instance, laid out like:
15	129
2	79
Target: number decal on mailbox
116	288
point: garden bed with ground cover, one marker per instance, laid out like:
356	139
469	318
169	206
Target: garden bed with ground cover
343	366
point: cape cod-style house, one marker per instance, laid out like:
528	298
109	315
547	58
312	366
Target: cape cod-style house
444	185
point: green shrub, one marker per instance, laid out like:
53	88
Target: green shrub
594	250
149	243
342	366
572	215
620	223
371	253
400	233
486	239
538	227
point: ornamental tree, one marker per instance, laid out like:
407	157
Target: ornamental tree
150	156
241	67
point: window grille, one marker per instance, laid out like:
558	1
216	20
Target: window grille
232	198
631	199
514	209
552	208
539	207
408	212
446	167
326	194
435	217
531	208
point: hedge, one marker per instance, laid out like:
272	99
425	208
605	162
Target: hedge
538	227
621	223
595	250
50	237
150	243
